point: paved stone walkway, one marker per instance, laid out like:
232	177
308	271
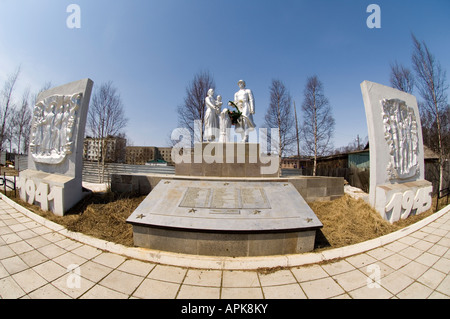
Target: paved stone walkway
39	262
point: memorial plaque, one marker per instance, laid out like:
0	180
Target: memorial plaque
229	197
225	197
254	198
196	197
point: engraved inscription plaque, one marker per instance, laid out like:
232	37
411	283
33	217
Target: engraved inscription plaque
254	198
225	198
196	197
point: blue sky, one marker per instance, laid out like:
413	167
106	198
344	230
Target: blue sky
151	50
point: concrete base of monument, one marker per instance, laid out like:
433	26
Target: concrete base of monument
225	218
51	192
226	160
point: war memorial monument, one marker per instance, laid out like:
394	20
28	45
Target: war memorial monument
227	197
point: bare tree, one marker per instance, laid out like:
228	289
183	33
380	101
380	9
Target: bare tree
21	121
7	104
279	115
402	78
106	118
432	86
318	123
297	132
194	107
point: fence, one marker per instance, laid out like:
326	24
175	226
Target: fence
92	172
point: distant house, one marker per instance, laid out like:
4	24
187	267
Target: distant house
115	149
141	155
295	162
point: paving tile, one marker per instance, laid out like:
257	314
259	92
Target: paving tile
321	288
168	273
93	271
444	286
443	264
209	278
10	238
109	259
415	291
431	278
9	289
411	252
396	246
17	228
155	289
14	264
51	251
366	292
68	244
351	280
20	247
48	292
423	245
437	295
198	292
309	273
53	237
338	267
100	292
50	270
281	277
4	230
380	253
408	240
362	260
41	230
242	293
87	252
414	269
29	280
292	291
396	261
438	250
6	252
427	259
136	267
68	259
26	234
38	242
3	272
73	288
33	258
396	282
432	238
121	281
240	279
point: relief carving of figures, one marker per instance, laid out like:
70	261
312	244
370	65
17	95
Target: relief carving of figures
401	134
54	120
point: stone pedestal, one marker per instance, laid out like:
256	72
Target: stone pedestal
53	192
227	160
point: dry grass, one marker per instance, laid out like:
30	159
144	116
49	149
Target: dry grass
346	221
349	221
